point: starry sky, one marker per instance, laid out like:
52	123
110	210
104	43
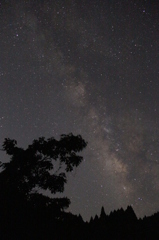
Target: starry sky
90	68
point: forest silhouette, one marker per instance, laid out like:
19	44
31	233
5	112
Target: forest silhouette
27	213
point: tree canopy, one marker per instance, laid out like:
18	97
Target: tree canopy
42	166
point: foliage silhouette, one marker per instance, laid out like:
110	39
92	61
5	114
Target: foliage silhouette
27	214
42	166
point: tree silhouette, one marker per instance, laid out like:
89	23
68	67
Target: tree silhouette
103	214
42	166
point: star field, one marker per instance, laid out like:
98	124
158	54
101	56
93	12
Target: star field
90	69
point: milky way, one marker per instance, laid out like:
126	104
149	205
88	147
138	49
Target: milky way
90	69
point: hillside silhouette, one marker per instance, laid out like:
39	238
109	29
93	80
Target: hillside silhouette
29	223
28	214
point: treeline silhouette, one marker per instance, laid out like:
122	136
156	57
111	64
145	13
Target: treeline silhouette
26	213
26	222
123	224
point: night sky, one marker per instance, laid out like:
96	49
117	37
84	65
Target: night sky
90	68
